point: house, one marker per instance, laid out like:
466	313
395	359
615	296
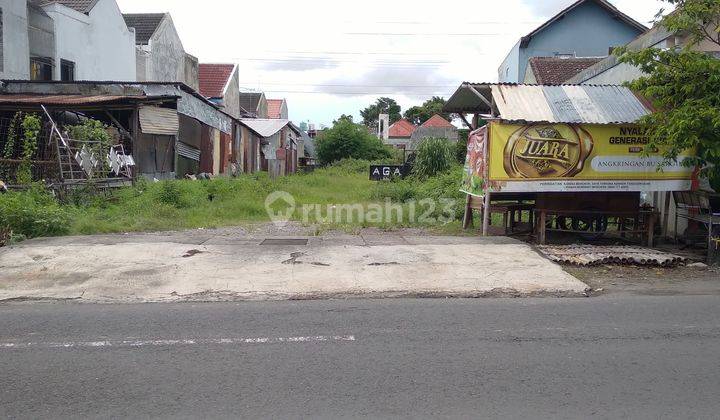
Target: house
407	136
587	28
169	129
65	40
277	109
556	70
270	145
435	127
611	71
400	133
309	156
220	84
255	103
160	55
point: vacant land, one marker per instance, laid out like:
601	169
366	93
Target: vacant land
337	197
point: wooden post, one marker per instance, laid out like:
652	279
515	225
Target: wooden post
541	227
651	230
468	218
666	214
135	131
486	214
467	123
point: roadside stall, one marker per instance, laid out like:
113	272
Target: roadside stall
569	155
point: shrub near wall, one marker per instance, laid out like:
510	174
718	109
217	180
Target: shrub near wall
434	156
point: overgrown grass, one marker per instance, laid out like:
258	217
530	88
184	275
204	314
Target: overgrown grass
175	205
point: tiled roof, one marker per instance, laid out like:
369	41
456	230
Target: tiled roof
402	128
145	25
82	6
213	79
554	70
275	108
437	121
250	100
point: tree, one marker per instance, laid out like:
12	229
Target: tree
419	114
344	117
684	86
349	140
371	114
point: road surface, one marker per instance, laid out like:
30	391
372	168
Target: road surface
608	357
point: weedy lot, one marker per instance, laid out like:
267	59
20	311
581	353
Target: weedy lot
176	205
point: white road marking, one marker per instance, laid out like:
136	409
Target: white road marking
183	342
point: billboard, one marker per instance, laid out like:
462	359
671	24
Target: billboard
568	157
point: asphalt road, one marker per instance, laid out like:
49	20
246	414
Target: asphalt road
611	357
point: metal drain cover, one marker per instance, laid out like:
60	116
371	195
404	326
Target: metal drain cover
279	241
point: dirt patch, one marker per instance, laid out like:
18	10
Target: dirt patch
640	280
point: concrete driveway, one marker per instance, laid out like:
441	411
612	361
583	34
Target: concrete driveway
234	264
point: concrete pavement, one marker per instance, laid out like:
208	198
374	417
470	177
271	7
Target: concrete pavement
238	265
610	357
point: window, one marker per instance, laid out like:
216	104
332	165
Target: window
67	71
41	68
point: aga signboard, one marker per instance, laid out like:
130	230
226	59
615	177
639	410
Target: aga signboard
387	172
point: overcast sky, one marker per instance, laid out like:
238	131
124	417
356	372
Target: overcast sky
333	57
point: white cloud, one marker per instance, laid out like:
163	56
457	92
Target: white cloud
329	58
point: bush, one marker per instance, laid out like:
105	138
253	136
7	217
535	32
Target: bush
348	140
434	156
33	213
350	166
397	190
461	146
445	186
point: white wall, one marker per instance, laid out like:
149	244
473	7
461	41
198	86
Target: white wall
16	50
164	58
100	44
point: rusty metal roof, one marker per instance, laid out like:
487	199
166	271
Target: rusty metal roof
576	104
59	100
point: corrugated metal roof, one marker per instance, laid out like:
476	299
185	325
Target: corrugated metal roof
156	120
568	104
578	104
39	99
265	127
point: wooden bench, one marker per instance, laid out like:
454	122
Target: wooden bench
511	207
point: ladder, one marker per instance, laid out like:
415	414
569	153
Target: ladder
70	169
